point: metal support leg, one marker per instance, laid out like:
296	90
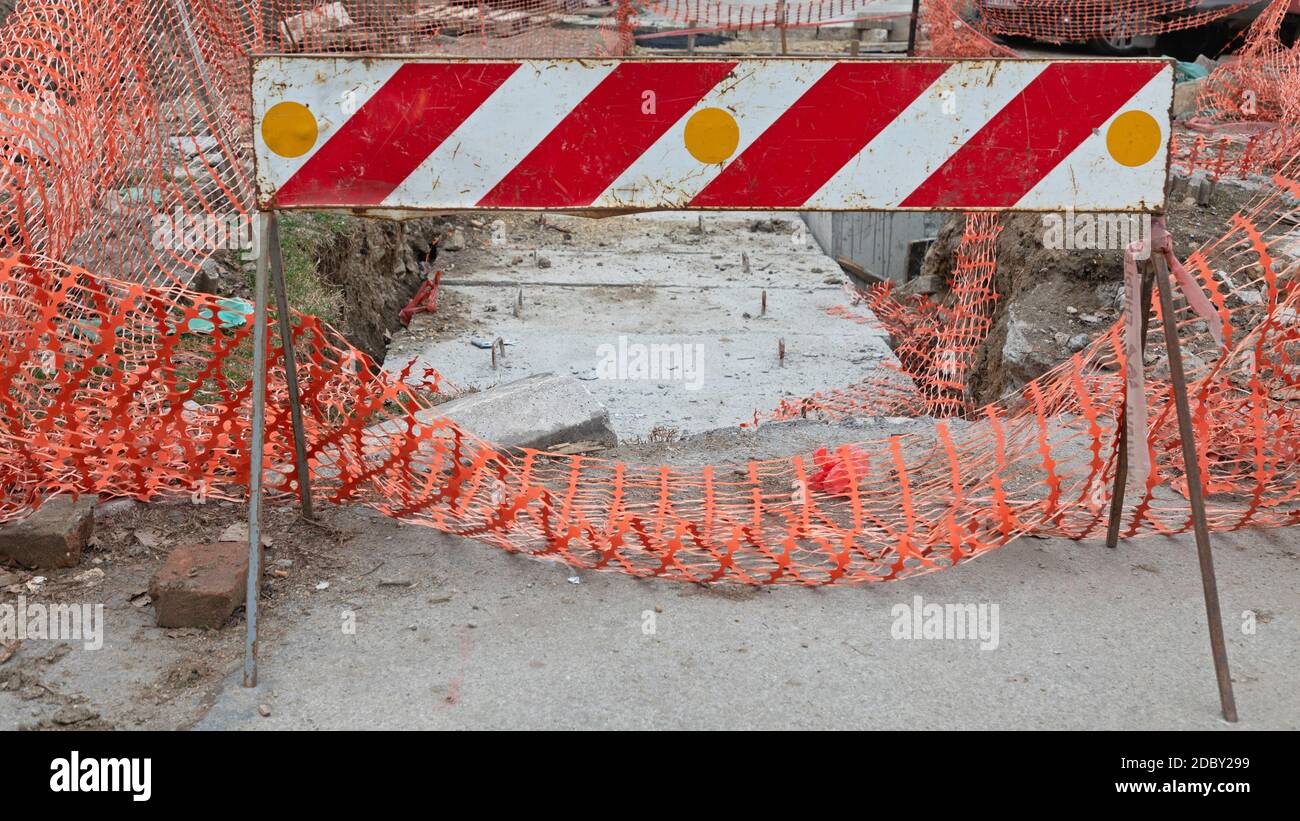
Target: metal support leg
290	365
196	55
258	433
1191	465
1121	459
911	28
780	17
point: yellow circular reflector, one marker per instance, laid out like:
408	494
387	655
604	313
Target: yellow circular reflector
1133	138
712	135
289	129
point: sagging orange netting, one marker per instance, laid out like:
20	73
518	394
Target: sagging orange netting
1066	21
116	379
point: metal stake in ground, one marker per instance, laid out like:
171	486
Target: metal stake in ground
1192	466
258	433
1121	458
290	364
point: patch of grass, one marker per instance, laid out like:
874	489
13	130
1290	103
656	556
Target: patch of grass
301	238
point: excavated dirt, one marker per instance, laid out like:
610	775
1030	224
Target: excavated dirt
1052	303
354	273
377	266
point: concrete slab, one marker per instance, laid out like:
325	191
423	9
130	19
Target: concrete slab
536	412
655	288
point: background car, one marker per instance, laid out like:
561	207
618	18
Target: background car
1125	27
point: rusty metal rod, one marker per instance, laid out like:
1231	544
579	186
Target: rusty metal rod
258	433
1192	466
911	28
290	365
1121	464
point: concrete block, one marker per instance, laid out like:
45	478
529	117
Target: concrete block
834	31
1205	189
898	27
535	412
327	18
53	536
929	284
1207	63
200	585
1185	95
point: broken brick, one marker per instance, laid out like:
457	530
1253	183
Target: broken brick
53	536
200	585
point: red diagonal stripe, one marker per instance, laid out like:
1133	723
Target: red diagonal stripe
392	133
823	130
604	134
1032	134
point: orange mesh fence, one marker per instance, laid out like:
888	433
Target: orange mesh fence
949	32
739	15
1065	21
117	380
936	343
1260	84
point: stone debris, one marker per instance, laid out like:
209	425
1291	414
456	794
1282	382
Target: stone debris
454	241
74	714
200	585
53	536
1185	96
535	412
324	19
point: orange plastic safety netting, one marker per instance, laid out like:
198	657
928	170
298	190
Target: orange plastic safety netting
1067	21
117	380
1251	101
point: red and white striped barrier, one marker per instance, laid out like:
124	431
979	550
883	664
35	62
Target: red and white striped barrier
404	134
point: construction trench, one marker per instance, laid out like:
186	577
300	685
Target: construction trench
727	409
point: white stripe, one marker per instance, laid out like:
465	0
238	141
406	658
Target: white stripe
351	84
1090	177
500	133
925	134
667	174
